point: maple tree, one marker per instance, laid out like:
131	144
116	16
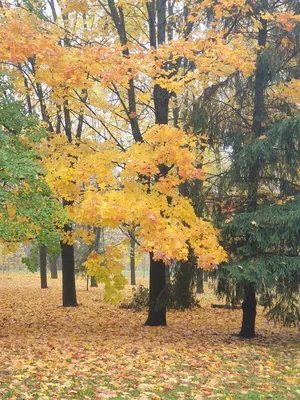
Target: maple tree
120	106
159	118
136	65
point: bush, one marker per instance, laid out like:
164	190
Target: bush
140	299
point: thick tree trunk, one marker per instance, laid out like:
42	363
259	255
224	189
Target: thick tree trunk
157	312
200	280
183	287
249	312
132	260
43	266
68	272
161	105
53	267
157	31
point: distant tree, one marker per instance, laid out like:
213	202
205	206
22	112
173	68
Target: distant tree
43	266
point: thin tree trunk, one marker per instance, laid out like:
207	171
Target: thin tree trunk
67	250
96	247
117	16
132	260
68	269
93	282
43	266
53	267
200	280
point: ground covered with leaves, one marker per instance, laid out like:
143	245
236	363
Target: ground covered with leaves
99	351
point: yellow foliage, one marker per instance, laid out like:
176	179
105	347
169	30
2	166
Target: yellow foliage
86	235
289	91
107	269
80	6
112	181
113	187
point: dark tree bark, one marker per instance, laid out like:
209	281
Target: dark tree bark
68	269
249	312
259	117
132	260
67	250
156	11
119	22
184	284
53	267
43	266
28	98
68	275
93	282
200	280
41	98
157	312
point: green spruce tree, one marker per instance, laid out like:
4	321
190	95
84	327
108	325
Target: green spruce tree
261	232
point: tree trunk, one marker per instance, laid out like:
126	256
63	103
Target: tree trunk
200	280
68	271
132	260
183	286
259	118
157	312
249	312
161	105
53	267
156	10
96	247
43	266
93	282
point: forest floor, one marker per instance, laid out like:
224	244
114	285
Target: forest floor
99	351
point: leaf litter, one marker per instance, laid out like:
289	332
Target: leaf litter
99	351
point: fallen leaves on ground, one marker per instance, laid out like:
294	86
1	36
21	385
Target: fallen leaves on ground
98	351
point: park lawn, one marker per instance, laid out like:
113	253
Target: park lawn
98	351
